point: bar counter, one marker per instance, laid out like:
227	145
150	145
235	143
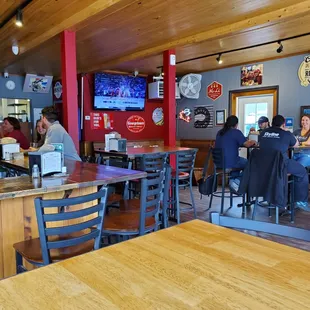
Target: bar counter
17	213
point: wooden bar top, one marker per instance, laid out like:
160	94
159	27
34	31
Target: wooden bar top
79	174
139	151
195	265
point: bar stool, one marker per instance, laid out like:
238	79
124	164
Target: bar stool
182	177
133	205
125	224
61	242
219	169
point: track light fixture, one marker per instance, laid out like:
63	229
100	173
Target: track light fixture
219	60
280	48
19	18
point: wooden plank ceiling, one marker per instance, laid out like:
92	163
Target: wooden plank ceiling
124	35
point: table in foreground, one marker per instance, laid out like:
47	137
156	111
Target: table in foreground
193	265
17	213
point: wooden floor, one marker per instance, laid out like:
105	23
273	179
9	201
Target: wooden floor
302	219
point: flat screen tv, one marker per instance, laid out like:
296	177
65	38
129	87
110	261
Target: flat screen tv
119	92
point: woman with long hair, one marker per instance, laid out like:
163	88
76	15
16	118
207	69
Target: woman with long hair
230	138
303	137
11	128
40	133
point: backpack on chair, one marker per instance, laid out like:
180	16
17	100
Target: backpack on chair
205	184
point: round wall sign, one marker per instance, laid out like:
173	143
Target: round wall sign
158	116
135	123
304	72
57	90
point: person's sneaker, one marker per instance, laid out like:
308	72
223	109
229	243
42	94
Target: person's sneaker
264	203
302	205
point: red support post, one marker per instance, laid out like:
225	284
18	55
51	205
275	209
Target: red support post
169	98
69	85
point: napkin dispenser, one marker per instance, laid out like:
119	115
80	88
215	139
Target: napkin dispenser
108	137
118	145
253	136
48	162
8	148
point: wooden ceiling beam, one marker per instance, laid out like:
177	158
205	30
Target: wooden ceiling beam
37	30
264	19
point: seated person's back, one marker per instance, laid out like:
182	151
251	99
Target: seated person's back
229	138
276	138
57	134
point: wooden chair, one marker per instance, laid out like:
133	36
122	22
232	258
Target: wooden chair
270	228
126	223
61	242
182	177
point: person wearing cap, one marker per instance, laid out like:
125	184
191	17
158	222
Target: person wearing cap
278	138
263	123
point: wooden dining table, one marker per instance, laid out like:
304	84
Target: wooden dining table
195	265
133	152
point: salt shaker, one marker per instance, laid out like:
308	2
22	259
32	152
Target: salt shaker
35	171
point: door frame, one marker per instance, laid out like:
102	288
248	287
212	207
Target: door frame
270	90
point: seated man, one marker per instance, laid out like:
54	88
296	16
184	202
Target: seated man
263	123
57	134
277	138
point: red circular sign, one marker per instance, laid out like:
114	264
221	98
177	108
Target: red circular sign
214	90
135	123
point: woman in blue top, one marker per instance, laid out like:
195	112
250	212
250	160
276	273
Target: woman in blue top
303	137
230	138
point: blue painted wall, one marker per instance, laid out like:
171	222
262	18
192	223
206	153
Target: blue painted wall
281	72
37	100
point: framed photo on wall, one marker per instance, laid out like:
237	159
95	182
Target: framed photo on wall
304	110
220	117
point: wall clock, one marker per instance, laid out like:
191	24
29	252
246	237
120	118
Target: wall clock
10	85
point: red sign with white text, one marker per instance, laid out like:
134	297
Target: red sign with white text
215	90
135	123
100	120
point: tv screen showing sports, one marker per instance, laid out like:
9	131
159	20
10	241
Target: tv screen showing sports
119	92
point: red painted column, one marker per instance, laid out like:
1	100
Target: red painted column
69	85
169	98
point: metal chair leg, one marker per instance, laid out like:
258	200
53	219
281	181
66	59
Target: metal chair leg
192	198
277	215
223	193
254	208
19	263
177	199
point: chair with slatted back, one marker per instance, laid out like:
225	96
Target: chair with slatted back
270	228
129	223
55	243
153	164
133	205
114	195
182	178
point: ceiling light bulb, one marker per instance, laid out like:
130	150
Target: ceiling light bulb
19	18
219	60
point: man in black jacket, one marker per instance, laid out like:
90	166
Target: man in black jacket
279	139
